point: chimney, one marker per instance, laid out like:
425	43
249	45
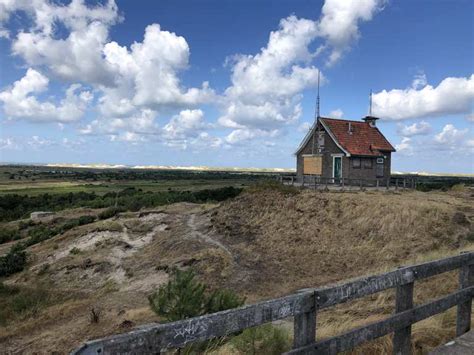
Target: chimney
370	120
349	130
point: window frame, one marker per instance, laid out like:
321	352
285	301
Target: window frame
366	162
360	163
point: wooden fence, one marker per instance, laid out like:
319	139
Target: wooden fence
317	182
304	306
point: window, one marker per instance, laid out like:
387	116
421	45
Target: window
356	163
368	163
321	139
379	160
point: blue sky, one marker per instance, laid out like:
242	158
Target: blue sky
232	83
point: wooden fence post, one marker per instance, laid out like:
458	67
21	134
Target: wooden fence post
304	328
377	184
388	183
396	184
404	184
402	337
463	319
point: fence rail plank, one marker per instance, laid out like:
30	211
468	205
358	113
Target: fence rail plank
158	337
330	296
154	338
401	320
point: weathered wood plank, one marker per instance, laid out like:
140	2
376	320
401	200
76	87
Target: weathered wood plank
332	295
463	319
402	337
158	337
305	328
154	337
401	320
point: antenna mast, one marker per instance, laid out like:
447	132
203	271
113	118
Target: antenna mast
317	99
370	103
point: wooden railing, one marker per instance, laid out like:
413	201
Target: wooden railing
318	182
304	306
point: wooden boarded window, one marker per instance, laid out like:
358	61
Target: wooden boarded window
312	165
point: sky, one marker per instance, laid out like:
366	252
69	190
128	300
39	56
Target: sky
227	83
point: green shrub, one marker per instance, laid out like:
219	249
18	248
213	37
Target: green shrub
12	262
86	220
25	224
75	251
265	339
38	234
72	223
7	234
185	297
110	212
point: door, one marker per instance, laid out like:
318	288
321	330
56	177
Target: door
380	167
337	172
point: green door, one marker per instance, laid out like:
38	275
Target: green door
337	167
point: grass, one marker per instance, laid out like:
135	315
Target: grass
101	188
22	302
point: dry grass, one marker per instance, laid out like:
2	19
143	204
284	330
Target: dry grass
315	238
275	242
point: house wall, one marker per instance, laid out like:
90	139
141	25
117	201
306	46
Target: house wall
328	149
367	173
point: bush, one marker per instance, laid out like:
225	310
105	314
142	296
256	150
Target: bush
185	297
265	339
86	220
13	262
38	234
70	224
110	212
7	234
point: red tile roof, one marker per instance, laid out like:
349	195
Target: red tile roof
364	139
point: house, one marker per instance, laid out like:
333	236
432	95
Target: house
336	148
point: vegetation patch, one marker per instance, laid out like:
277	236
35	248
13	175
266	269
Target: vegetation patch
22	302
185	297
265	339
14	261
7	234
14	206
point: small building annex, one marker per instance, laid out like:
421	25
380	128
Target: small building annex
336	148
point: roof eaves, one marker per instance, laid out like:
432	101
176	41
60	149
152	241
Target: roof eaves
306	138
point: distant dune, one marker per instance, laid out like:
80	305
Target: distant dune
170	167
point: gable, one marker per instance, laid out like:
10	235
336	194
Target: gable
329	141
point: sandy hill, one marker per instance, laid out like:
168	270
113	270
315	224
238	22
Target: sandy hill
266	242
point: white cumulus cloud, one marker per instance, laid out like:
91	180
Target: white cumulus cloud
451	96
266	87
338	113
20	101
419	128
405	147
450	135
339	23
